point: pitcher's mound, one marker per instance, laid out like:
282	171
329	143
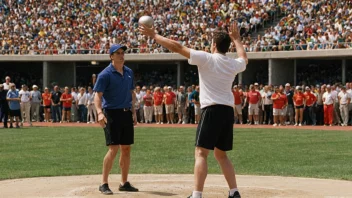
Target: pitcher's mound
151	186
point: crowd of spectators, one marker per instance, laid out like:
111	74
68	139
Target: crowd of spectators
90	26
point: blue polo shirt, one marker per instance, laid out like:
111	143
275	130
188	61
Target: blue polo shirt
116	88
14	105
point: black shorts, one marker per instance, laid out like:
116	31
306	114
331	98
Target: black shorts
215	128
47	107
15	113
67	108
299	107
119	129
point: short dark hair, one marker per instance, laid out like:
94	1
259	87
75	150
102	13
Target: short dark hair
222	41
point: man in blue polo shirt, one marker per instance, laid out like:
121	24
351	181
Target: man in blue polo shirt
113	101
13	97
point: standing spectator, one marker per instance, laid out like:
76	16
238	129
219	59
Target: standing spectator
91	107
299	103
158	109
181	105
328	100
56	105
35	105
7	83
268	105
238	98
290	112
26	98
66	99
253	98
344	101
320	105
279	106
47	104
170	100
148	107
82	101
309	110
74	107
4	105
139	103
336	117
13	97
190	105
195	100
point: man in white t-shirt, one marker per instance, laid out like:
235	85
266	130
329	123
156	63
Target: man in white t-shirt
216	74
344	102
328	101
26	97
7	83
74	107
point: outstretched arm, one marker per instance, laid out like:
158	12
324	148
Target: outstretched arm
236	38
172	45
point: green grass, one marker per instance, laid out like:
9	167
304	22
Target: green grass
34	152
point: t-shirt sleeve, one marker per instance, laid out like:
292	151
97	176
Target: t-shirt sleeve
198	58
240	65
102	83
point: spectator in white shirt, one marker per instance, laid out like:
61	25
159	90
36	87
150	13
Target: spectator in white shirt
91	107
74	107
344	101
7	83
328	100
82	103
268	105
25	96
35	105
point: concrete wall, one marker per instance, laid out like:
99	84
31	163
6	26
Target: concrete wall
281	71
61	73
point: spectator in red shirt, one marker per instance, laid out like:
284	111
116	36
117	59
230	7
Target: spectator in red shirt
279	106
253	98
238	96
169	100
299	103
66	99
148	107
46	103
309	111
158	107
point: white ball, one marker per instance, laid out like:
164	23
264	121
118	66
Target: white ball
147	21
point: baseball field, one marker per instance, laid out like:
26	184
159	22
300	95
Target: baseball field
270	162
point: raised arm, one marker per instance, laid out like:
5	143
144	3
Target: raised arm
172	45
236	39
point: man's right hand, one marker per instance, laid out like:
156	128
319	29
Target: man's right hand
234	32
102	120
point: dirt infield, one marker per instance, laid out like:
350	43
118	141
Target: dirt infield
151	186
326	128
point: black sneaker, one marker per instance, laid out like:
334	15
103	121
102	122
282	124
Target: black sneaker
105	189
235	195
127	187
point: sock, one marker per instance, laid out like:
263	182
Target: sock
232	191
196	194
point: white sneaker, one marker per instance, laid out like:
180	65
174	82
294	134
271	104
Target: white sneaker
88	122
168	122
300	125
296	124
179	122
279	124
161	122
195	122
183	122
158	123
275	125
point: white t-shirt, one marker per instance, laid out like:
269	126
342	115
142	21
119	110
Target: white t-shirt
82	99
25	96
334	94
74	96
6	86
344	97
267	100
216	74
329	98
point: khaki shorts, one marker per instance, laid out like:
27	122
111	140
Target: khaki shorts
237	109
196	109
158	110
253	109
170	108
280	112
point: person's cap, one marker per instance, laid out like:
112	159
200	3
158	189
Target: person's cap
235	86
256	84
298	87
307	88
46	88
34	86
287	85
169	87
116	47
251	86
328	86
